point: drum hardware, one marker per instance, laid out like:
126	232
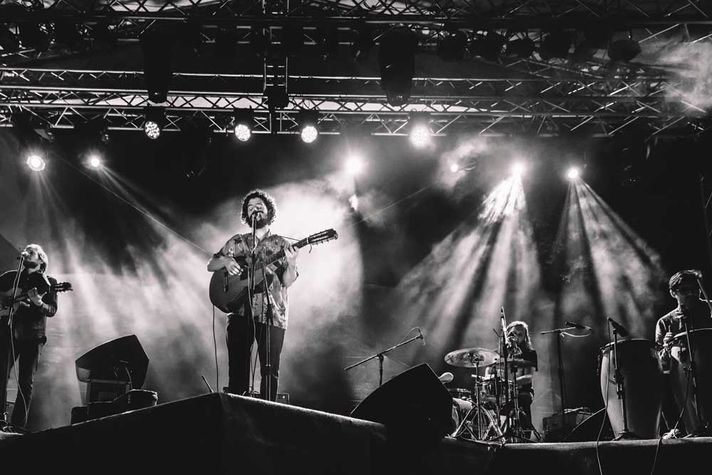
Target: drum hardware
618	378
691	374
560	332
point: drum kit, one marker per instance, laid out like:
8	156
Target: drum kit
489	410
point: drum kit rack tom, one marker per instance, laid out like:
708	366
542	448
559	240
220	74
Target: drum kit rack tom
477	410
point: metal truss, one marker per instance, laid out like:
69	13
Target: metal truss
531	95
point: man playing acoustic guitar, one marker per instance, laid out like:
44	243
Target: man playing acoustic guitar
263	312
22	326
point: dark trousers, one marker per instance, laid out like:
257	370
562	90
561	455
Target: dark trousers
241	333
28	354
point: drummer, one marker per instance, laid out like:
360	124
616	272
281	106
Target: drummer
523	361
691	313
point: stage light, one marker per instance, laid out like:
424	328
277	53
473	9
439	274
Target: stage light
154	117
36	162
452	46
518	169
555	45
94	161
69	35
573	173
353	202
454	167
33	35
488	46
363	42
157	47
520	48
624	50
277	97
354	165
8	40
308	121
396	58
242	124
420	133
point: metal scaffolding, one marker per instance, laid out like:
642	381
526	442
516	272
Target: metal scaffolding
100	74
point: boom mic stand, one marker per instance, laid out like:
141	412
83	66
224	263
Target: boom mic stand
559	335
380	356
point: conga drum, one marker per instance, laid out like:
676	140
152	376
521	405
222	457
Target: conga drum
696	415
642	377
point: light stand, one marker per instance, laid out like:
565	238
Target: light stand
380	356
620	390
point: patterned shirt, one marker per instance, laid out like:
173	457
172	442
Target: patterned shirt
271	244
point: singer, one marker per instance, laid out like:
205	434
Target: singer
691	313
263	315
24	339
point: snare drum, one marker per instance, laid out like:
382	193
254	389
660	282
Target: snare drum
642	374
459	393
694	416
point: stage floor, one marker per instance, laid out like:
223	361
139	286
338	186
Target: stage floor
222	433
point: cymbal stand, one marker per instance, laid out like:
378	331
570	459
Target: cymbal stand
559	335
691	369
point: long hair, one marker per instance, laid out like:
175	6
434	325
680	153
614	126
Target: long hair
268	201
44	260
527	338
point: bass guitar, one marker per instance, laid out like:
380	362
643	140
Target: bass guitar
227	292
7	302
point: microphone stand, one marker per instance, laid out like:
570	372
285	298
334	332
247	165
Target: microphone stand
620	390
559	335
10	316
701	415
380	356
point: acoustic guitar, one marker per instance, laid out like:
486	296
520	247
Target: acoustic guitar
228	292
7	302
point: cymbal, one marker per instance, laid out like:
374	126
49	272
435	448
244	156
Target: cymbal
471	357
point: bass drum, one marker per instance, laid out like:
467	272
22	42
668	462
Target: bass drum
642	374
694	417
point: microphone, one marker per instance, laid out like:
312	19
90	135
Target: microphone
422	337
446	377
23	255
618	327
577	325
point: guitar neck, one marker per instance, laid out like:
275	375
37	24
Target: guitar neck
278	255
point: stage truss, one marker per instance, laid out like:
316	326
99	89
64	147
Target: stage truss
60	88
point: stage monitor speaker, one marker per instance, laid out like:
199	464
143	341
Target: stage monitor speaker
122	359
595	427
412	405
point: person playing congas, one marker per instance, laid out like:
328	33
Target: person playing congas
691	313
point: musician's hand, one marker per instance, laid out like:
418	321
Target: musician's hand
34	297
232	267
667	338
291	254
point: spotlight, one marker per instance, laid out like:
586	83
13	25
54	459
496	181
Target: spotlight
363	42
36	162
157	46
555	45
396	58
353	202
277	97
8	40
488	46
354	166
242	127
154	122
308	121
420	133
518	169
454	167
69	35
94	161
624	50
573	173
452	46
520	48
33	35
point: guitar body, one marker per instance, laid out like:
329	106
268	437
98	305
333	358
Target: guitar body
228	292
6	303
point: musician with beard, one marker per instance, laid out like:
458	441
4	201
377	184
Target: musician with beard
23	335
262	316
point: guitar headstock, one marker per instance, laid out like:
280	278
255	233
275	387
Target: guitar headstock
61	287
322	236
